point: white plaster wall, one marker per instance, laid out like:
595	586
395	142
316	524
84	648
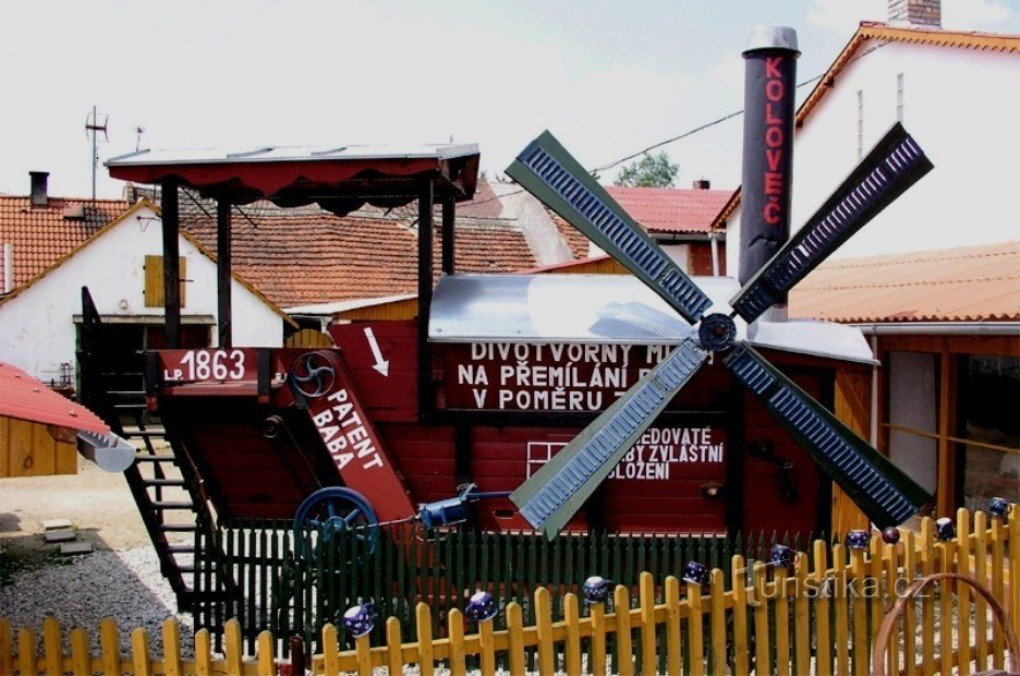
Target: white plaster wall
962	107
37	330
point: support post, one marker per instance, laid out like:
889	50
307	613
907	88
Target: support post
223	277
171	264
449	215
426	199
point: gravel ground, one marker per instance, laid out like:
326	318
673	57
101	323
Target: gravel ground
82	591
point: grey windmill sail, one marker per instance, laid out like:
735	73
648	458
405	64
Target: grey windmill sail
888	496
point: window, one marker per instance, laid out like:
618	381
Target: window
154	281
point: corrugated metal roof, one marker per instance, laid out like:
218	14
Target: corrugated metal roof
965	284
607	309
26	398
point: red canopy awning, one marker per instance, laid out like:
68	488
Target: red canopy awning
27	398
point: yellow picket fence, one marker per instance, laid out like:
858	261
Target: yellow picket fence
821	617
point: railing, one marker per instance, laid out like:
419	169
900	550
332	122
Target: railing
820	616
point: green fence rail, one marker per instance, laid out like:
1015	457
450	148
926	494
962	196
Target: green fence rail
295	587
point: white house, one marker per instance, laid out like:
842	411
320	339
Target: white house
121	265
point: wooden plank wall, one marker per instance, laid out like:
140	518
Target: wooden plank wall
34	449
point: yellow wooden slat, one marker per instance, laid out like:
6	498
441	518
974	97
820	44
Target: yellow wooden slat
892	575
673	612
203	653
394	641
6	647
944	553
909	616
782	622
172	665
859	610
53	656
980	605
841	609
363	650
823	617
624	645
487	641
695	629
81	660
109	641
5	447
572	647
455	630
20	448
331	649
876	574
140	657
760	602
801	617
233	647
515	638
717	623
66	458
265	654
646	594
998	543
426	659
927	603
543	626
738	575
963	605
27	662
44	450
1013	528
598	638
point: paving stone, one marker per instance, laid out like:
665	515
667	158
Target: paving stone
63	535
69	548
56	524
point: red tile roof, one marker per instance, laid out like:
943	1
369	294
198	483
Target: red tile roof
25	398
667	210
40	235
965	284
319	257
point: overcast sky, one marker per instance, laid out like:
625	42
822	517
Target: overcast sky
608	78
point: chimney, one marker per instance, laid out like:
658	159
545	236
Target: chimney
919	13
38	195
702	184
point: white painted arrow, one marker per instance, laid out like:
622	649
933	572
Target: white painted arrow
381	365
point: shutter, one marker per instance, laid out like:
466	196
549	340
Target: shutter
154	281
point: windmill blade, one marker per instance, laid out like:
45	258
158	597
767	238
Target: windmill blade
548	172
554	494
892	166
882	491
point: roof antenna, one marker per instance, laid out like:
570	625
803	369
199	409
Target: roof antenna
138	138
92	129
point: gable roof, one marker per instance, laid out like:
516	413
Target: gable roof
964	284
41	235
875	30
671	210
318	257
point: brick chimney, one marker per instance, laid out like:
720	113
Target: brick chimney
702	184
919	13
38	195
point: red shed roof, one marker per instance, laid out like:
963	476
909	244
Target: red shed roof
26	398
667	210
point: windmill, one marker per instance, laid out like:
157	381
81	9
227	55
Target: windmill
774	263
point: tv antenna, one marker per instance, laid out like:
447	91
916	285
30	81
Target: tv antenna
92	129
138	137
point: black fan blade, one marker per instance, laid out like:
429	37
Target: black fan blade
548	171
892	166
554	494
882	491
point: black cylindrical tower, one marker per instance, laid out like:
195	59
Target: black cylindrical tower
770	75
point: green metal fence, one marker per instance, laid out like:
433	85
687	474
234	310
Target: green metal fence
256	572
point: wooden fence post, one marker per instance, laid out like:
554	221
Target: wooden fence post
330	650
172	648
26	652
266	653
738	579
109	641
488	648
801	617
841	609
624	646
455	630
598	638
673	658
543	628
426	660
717	623
823	614
695	629
203	653
962	590
81	660
515	638
140	657
53	656
980	606
782	617
762	658
233	647
572	619
646	594
6	647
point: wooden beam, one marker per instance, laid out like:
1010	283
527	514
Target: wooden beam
449	211
171	264
1006	346
943	490
223	276
426	200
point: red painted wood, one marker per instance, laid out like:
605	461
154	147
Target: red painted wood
389	398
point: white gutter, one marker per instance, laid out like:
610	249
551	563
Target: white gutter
941	328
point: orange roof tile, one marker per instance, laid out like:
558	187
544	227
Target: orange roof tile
874	30
662	210
40	235
965	284
319	257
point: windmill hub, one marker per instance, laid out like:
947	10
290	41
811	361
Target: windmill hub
717	332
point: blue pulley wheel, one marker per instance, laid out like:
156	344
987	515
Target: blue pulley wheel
331	513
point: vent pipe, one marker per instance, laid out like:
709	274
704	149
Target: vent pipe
770	75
